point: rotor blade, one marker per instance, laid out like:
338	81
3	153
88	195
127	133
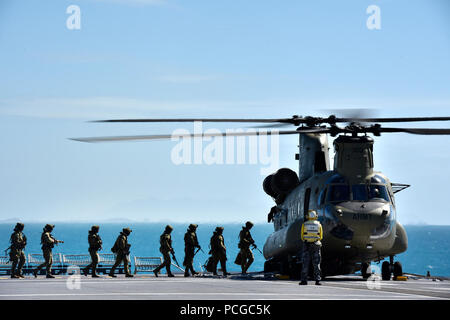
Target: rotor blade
405	119
170	136
422	131
294	120
273	125
196	119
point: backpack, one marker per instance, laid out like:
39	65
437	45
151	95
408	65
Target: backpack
209	265
115	247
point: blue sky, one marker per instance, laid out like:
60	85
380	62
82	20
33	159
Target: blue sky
165	58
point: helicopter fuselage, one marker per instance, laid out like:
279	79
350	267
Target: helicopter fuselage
357	228
355	205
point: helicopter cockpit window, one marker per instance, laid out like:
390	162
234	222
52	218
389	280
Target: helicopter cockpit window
338	193
362	192
359	192
378	192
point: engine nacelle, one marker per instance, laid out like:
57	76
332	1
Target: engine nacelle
267	186
278	185
284	181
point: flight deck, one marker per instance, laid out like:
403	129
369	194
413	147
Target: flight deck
206	287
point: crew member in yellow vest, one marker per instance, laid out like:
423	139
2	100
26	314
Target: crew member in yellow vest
311	235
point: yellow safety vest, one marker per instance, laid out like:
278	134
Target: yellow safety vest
311	231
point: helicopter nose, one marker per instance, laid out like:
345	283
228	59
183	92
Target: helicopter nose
362	217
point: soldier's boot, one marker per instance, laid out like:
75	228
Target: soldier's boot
13	270
243	268
186	272
193	271
35	272
49	272
20	270
169	272
225	273
248	264
86	271
94	273
19	273
111	273
127	271
20	267
303	283
156	271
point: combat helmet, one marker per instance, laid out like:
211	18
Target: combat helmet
19	226
248	224
49	227
126	231
192	226
219	229
168	228
95	228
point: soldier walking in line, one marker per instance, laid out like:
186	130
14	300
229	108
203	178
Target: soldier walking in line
16	255
48	242
218	251
122	250
166	249
95	245
245	256
190	244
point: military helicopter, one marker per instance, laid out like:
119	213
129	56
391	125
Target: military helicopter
355	204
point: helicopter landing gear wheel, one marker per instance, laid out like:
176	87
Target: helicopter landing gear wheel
398	270
386	271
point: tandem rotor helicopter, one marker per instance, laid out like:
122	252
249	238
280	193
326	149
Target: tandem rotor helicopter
355	204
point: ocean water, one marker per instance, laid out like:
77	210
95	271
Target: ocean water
428	249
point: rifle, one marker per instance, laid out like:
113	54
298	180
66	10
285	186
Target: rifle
57	241
199	249
175	259
255	247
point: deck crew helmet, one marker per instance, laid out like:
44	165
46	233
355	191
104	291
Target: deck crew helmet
311	215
